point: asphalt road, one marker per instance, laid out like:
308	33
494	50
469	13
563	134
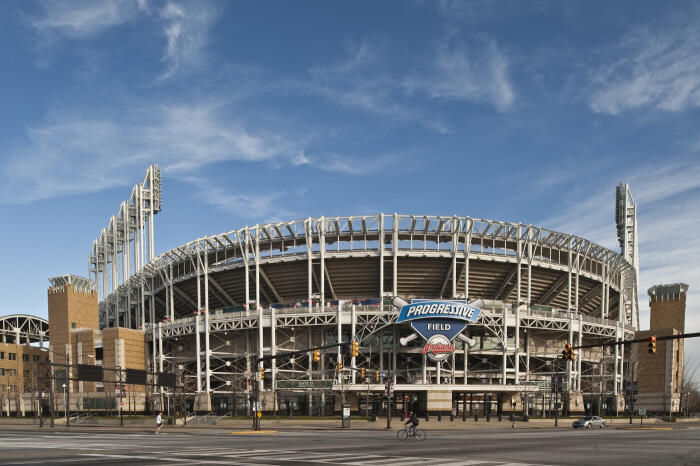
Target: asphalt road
444	448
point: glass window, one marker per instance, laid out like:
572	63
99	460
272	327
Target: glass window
35	358
2	355
26	373
2	371
25	357
12	356
72	325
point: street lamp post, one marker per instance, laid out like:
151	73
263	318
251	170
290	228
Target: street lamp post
65	405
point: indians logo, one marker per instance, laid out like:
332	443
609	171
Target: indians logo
438	322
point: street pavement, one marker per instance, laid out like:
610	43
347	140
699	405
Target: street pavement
492	447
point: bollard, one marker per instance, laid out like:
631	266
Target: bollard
500	418
427	416
476	418
488	417
452	417
439	417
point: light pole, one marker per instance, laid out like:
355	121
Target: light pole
65	404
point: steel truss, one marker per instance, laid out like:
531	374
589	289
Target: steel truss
495	360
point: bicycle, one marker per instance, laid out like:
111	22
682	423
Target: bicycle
403	434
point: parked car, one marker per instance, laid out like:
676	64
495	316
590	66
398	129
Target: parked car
589	421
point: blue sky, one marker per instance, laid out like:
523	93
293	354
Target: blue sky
519	111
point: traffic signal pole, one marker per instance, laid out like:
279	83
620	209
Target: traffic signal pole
256	419
679	336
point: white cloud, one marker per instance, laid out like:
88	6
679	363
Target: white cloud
72	153
479	76
79	19
658	70
261	206
186	28
185	25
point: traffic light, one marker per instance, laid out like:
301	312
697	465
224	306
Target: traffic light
572	354
317	355
355	349
362	371
376	376
340	367
262	373
652	344
566	354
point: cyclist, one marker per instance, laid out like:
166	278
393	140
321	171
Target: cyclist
413	420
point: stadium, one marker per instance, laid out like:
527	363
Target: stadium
212	306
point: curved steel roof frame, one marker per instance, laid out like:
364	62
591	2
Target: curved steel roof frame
422	235
30	328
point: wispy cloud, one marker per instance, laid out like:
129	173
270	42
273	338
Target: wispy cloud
361	80
186	28
258	206
657	69
79	19
479	75
71	153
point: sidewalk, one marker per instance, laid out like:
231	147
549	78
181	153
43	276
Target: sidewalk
226	426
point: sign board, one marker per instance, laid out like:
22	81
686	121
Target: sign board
291	384
346	412
438	322
135	377
259	414
90	373
642	411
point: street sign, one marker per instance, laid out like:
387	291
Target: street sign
382	374
642	411
290	384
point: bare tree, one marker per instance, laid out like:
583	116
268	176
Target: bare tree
689	389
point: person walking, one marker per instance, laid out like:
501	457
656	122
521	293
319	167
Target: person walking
159	422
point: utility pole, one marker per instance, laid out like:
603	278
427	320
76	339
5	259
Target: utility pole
389	390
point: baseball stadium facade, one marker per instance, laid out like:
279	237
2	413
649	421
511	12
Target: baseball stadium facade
212	306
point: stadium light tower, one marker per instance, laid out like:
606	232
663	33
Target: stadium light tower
126	244
626	220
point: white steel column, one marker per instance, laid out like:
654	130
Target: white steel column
569	364
160	347
353	324
580	356
273	347
246	257
172	295
381	261
258	308
198	343
339	358
322	253
468	227
505	345
455	240
309	254
516	350
207	365
395	250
